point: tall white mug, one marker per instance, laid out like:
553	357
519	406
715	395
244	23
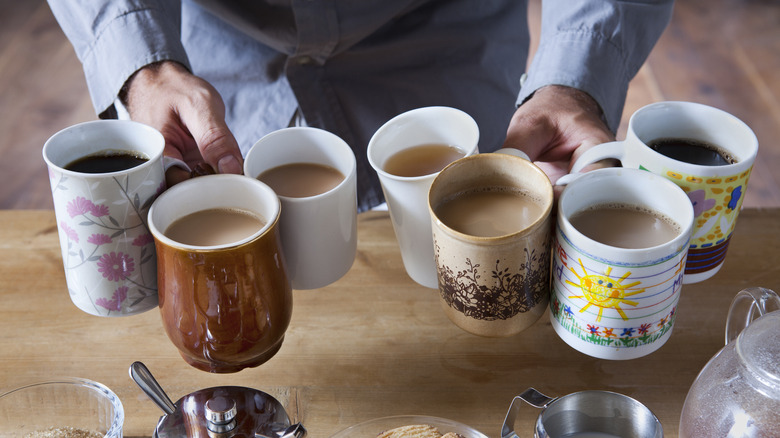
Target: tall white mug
407	197
107	249
319	232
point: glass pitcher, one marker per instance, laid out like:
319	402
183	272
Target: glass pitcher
737	394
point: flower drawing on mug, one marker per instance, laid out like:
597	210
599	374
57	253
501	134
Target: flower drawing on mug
624	337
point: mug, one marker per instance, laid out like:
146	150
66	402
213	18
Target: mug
614	302
495	283
716	192
591	413
319	230
225	306
107	250
407	197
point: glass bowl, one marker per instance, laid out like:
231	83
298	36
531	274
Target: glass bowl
61	404
372	428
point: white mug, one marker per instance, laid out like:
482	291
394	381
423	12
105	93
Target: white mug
407	197
716	192
319	233
612	302
107	249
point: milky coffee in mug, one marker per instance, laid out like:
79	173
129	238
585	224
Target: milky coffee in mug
491	220
314	173
225	298
619	252
432	136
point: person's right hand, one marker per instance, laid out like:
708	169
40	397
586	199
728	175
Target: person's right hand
189	113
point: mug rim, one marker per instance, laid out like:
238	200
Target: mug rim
152	158
160	236
609	395
547	202
390	125
284	131
751	146
679	243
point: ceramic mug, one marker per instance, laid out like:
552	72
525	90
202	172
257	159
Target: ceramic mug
319	232
498	283
107	250
615	302
598	414
716	192
407	197
227	306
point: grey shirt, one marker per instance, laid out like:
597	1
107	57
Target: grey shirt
351	65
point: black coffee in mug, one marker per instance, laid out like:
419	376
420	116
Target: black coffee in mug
692	151
107	161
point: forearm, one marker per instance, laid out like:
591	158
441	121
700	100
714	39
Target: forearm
597	47
113	39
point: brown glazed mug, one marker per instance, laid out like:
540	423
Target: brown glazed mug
225	307
496	285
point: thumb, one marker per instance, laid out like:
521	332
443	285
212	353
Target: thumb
206	123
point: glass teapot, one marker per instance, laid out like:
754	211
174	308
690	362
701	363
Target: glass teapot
737	394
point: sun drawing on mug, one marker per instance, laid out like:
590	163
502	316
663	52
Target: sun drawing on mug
603	291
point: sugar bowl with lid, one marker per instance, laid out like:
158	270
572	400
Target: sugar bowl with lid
218	412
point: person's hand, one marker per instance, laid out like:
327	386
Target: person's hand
556	126
189	113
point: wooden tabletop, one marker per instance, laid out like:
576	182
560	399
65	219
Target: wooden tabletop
371	345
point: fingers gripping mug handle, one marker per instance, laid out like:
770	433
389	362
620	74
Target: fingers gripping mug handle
613	149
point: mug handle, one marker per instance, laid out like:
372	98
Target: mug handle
530	396
744	307
612	149
513	151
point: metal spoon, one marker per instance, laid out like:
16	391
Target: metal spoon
143	377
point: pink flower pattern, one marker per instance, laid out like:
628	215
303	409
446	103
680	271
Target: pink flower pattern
143	239
115	303
99	210
70	232
79	206
99	239
105	251
115	266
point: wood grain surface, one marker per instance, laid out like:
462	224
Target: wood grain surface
373	344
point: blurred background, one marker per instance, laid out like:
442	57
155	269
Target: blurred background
724	53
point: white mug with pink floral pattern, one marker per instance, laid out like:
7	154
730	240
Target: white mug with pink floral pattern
107	249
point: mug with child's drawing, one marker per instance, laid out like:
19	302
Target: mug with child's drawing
618	302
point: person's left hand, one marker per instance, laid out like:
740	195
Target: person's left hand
556	126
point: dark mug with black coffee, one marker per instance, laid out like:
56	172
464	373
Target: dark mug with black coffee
708	152
104	176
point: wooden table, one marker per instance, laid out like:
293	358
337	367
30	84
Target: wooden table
372	344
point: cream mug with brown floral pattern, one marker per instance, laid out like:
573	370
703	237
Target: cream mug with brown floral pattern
491	219
104	176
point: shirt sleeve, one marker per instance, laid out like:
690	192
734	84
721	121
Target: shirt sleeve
113	39
597	47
